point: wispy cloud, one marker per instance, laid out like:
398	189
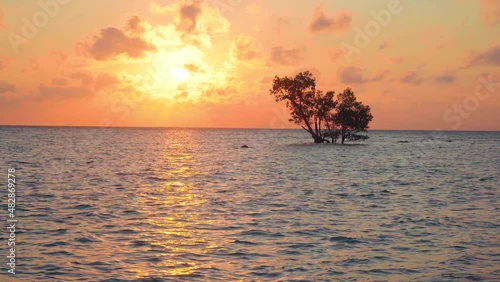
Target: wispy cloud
112	42
6	87
244	48
62	92
490	56
2	24
446	78
284	56
490	11
412	77
335	53
354	74
386	44
340	21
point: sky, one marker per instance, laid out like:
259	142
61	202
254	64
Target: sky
420	65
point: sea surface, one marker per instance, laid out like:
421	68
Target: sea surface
132	204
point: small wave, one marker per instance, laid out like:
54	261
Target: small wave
59	231
296	269
56	244
243	242
352	262
267	274
343	239
139	243
98	263
82	206
37	195
375	272
131	212
261	233
125	231
301	245
48	267
39	215
290	252
486	178
84	240
153	178
58	253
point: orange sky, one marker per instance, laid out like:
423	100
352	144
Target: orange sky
419	64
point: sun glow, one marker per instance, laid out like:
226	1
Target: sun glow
180	74
183	74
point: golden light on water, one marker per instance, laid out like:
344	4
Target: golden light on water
175	234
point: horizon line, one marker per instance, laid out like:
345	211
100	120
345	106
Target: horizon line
239	128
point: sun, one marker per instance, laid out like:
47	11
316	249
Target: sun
180	74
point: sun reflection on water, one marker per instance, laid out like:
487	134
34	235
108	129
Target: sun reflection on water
176	214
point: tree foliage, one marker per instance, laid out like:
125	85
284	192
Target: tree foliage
351	116
320	113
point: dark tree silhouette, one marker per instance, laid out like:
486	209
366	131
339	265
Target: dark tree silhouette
351	117
319	113
302	99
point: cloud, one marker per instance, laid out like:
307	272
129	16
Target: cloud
189	14
490	11
75	85
2	24
280	23
353	74
339	22
336	53
397	60
54	59
387	43
439	37
112	42
267	80
84	77
412	77
105	80
6	87
286	57
135	25
192	68
488	57
244	48
446	78
59	81
197	22
62	92
182	95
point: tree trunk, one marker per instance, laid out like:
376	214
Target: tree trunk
318	139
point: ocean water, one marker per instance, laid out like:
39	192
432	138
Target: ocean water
192	205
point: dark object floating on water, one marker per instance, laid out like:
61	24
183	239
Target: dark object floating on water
244	146
449	140
403	141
